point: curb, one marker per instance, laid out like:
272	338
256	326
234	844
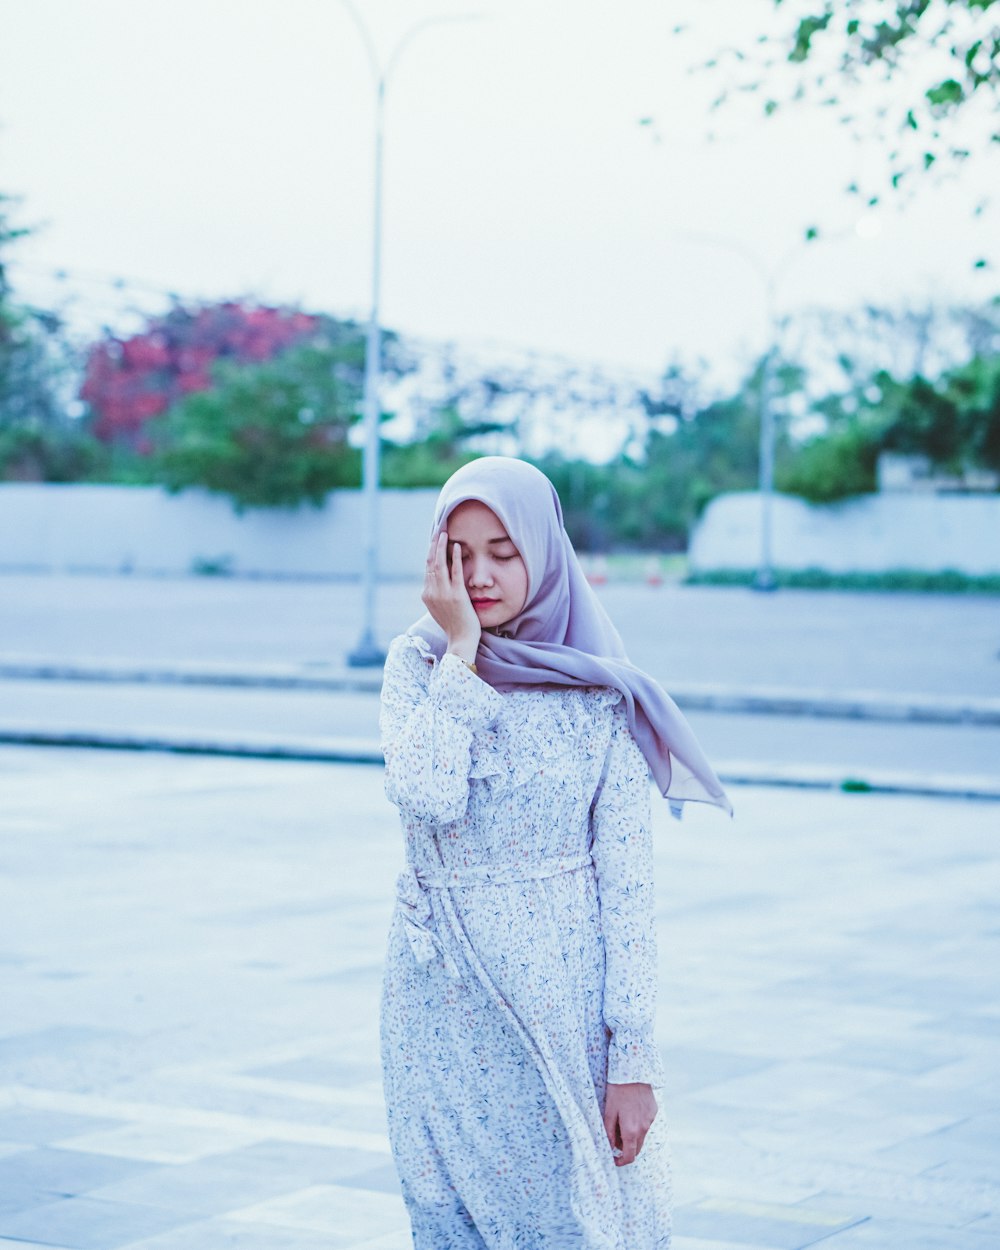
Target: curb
274	676
256	746
749	700
367	751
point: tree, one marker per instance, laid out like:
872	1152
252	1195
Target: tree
38	440
267	435
693	449
833	466
434	458
954	421
128	381
924	75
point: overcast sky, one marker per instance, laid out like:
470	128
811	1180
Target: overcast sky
224	148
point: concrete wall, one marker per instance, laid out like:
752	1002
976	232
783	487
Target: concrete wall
94	528
143	529
872	534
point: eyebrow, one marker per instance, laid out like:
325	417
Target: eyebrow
490	541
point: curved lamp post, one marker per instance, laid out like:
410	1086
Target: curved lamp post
770	276
367	652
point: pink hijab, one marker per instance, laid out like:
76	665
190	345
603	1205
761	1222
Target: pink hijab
563	636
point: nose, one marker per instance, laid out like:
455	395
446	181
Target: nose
479	571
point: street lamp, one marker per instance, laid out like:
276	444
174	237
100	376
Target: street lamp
770	276
367	652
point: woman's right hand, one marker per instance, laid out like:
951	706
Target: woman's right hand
447	599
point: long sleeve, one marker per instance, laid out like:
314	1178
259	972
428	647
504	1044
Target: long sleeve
623	858
429	714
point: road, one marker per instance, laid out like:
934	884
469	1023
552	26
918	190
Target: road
856	747
894	643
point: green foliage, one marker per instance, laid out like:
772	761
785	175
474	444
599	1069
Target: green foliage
870	59
976	391
921	419
953	421
833	466
38	441
650	502
594	498
33	452
430	462
949	581
417	465
270	435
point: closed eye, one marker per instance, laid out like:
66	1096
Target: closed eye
467	555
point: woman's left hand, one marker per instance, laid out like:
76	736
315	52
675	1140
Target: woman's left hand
629	1110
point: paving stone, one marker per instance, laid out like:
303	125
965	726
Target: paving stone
319	1070
5	1242
15	1048
800	1086
310	1164
688	1068
340	1211
64	1171
158	1143
17	1197
699	1243
881	1210
224	1234
986	1224
222	1049
383	1179
208	1187
786	1228
89	1223
390	1241
41	1127
897	1235
874	1054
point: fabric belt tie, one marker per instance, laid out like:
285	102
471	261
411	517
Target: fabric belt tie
414	903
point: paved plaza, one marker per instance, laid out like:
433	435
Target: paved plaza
190	954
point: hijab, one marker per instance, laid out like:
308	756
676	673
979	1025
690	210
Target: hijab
563	636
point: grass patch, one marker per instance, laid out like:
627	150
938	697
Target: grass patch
948	581
637	566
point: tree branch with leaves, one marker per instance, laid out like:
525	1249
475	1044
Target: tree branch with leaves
922	76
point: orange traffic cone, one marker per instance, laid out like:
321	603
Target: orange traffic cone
597	573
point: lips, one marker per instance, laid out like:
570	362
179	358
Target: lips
483	603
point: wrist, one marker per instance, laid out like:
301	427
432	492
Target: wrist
465	648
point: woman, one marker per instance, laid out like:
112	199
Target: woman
519	993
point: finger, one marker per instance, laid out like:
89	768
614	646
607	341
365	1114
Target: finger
457	576
437	563
640	1141
629	1150
611	1124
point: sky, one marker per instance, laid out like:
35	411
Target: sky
224	148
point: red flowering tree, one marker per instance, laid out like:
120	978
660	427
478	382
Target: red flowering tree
128	381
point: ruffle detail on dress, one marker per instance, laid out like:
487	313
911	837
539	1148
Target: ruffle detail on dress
421	646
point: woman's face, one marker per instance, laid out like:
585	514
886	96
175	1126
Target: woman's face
495	575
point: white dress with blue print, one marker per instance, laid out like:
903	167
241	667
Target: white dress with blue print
521	966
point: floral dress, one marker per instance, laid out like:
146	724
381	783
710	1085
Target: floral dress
521	963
